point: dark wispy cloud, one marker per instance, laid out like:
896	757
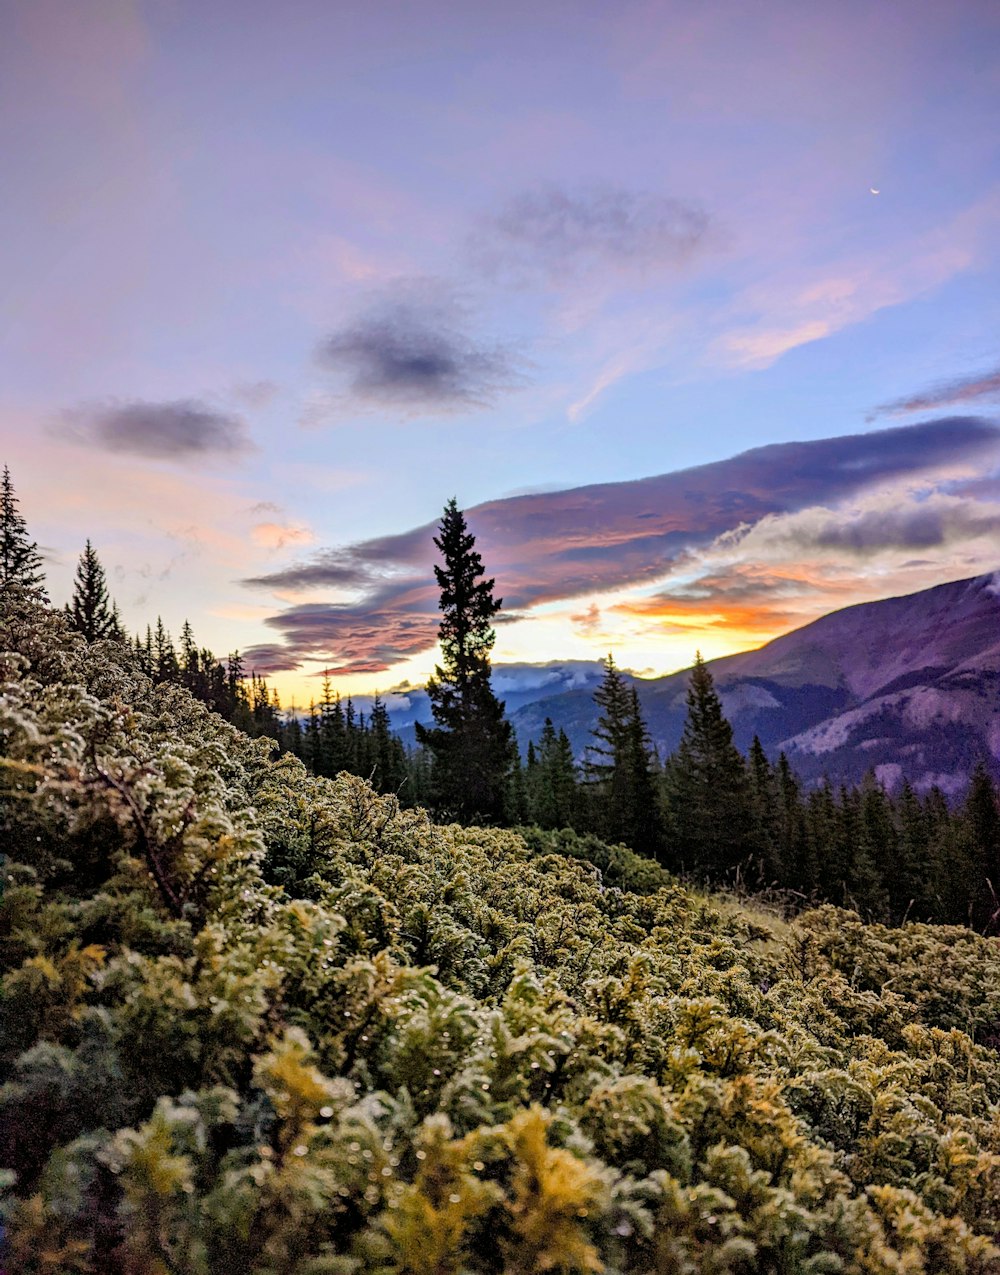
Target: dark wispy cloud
550	546
185	429
553	232
951	393
412	352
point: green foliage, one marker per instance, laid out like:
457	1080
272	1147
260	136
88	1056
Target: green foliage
260	1021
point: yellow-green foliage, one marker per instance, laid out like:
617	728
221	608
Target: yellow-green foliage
440	1051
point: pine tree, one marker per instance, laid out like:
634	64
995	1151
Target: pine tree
911	889
20	560
472	744
551	780
608	735
980	840
387	750
764	833
165	665
91	611
333	731
707	786
874	850
796	852
618	767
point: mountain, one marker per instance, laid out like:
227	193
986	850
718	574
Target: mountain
907	686
518	685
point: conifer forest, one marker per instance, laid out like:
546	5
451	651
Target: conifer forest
279	997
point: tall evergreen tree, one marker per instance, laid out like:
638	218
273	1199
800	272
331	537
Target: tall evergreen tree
388	757
551	780
707	791
20	561
980	840
472	743
618	767
764	834
91	611
165	664
910	883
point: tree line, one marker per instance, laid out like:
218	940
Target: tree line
705	812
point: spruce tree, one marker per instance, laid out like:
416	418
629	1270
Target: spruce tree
909	878
551	777
472	743
763	835
91	611
20	560
979	837
388	757
707	790
165	664
618	767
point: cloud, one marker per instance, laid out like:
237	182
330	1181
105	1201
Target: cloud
950	393
256	394
784	307
367	638
185	429
412	352
554	546
552	233
279	535
914	524
677	613
271	657
589	620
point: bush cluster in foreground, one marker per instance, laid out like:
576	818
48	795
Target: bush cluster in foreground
257	1021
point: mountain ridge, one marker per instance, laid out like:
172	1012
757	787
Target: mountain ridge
908	686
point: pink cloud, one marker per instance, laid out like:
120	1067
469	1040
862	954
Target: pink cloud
551	546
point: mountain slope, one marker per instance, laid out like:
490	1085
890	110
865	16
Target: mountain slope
909	686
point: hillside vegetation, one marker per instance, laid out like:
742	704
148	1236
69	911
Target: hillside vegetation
258	1021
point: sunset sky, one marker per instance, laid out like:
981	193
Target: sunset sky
694	307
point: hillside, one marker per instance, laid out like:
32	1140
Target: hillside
909	686
254	1021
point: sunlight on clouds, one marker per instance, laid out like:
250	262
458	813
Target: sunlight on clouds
276	535
791	310
760	349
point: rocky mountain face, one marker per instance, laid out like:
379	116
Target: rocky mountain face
907	686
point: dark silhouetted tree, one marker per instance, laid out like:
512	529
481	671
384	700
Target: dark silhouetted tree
472	743
979	837
618	768
20	561
91	611
710	816
387	755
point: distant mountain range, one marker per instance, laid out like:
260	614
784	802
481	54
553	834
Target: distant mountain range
907	686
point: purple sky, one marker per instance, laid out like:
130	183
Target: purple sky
281	279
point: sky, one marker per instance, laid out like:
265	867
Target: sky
693	307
